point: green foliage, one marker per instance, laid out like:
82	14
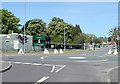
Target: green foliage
81	38
56	29
35	27
10	31
9	22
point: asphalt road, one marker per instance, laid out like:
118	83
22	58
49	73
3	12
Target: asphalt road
88	66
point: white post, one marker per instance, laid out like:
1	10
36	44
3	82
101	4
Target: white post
64	38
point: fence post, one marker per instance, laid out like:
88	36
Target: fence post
84	46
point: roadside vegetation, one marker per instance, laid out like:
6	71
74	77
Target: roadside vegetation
54	30
114	33
51	51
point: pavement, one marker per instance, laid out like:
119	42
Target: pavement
4	66
88	66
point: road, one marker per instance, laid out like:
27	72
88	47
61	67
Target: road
89	66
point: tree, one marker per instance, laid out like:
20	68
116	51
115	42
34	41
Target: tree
114	32
55	30
81	38
76	34
9	22
35	27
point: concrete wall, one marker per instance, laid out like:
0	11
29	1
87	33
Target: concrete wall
8	42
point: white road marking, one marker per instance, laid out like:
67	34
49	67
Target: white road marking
60	68
105	60
17	62
41	57
26	63
76	57
42	79
101	56
53	68
36	64
47	64
81	61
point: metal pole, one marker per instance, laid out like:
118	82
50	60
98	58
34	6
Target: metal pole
24	21
64	39
118	39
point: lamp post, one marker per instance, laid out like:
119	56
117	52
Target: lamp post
118	38
64	38
24	21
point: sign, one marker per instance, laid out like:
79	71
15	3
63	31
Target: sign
15	44
39	41
52	46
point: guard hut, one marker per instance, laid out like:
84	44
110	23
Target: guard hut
14	41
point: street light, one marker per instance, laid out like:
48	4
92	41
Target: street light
64	37
118	38
24	21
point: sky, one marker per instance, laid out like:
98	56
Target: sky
93	17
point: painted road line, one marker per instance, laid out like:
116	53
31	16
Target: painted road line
36	64
76	57
26	63
105	60
42	79
17	62
81	61
53	68
101	56
41	57
47	64
60	68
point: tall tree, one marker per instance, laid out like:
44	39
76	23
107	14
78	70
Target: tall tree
35	27
114	32
56	29
9	22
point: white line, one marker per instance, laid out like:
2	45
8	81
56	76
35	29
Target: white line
36	64
60	68
105	60
53	68
76	57
42	79
81	61
47	64
17	62
26	63
41	57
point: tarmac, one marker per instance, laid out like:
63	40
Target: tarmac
4	66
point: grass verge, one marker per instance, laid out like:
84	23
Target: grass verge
51	51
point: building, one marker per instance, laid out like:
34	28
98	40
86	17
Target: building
14	41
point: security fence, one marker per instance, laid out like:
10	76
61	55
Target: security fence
55	45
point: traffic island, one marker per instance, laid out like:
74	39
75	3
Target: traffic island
4	66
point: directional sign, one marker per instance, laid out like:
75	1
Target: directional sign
39	41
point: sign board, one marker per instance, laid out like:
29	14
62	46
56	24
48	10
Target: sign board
52	46
15	44
39	41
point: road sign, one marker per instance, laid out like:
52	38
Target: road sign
39	41
15	44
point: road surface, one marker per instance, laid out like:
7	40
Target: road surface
89	66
